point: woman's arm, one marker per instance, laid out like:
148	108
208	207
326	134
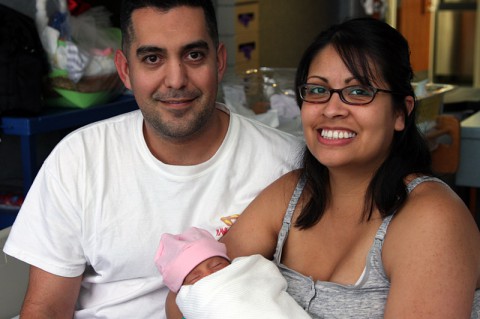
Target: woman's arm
432	256
171	308
257	228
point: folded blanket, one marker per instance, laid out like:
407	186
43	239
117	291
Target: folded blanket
251	287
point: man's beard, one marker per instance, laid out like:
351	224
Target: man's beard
189	121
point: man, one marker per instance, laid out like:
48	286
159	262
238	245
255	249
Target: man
93	218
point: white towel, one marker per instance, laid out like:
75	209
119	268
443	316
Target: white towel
251	287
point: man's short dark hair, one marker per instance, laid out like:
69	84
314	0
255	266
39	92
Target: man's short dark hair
128	6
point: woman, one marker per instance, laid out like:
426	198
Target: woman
363	230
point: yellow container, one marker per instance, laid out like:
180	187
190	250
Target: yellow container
430	100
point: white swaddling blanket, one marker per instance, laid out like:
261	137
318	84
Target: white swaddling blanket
251	287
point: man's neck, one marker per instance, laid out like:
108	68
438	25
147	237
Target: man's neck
194	150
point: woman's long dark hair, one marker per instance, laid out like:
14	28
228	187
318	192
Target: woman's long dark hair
369	47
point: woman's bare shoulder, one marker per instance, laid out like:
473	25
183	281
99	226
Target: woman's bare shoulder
434	201
256	229
431	254
433	218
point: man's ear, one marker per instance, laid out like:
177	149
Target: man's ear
122	68
221	61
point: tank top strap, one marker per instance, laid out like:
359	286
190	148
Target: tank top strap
287	219
382	230
417	181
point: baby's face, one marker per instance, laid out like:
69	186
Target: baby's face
205	268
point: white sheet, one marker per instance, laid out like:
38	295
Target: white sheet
13	280
251	287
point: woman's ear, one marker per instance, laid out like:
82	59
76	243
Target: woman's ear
409	104
400	117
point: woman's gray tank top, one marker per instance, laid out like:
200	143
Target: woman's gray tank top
366	298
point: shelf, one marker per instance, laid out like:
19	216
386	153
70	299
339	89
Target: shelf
56	119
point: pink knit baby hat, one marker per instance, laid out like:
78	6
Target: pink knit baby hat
178	254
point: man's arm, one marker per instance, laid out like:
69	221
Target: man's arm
50	296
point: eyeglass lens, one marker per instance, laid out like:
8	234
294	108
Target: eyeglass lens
356	94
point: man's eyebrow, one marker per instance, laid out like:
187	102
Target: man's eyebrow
148	49
200	44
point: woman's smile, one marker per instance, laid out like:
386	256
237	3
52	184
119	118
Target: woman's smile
337	134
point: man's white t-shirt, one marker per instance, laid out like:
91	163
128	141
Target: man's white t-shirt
101	201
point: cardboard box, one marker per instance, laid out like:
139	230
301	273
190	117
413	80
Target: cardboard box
242	48
243	67
233	20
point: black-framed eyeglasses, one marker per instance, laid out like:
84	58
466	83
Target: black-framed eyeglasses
353	95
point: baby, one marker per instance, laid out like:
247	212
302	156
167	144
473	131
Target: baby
196	267
186	258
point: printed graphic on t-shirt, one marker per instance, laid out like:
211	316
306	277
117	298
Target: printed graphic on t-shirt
229	221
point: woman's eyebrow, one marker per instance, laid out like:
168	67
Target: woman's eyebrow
347	80
318	77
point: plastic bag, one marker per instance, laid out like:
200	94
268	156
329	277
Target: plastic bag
81	52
